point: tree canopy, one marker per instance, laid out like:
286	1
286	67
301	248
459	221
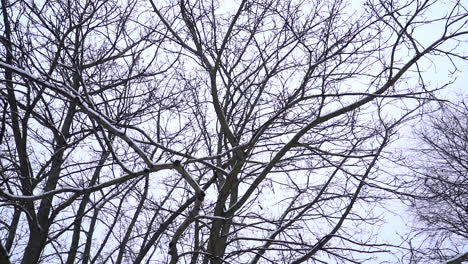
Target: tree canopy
207	131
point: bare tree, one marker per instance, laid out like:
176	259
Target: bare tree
440	186
205	132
